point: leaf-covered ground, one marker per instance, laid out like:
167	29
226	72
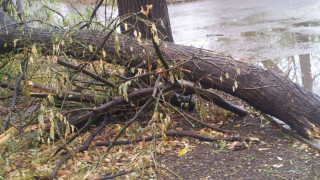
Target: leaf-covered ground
277	155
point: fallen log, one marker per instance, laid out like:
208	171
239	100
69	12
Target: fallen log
263	89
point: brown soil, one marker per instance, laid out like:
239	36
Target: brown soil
276	156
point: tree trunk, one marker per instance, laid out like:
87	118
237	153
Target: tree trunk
159	15
263	89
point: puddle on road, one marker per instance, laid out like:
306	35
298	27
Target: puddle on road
279	35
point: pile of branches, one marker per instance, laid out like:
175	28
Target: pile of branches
81	94
55	96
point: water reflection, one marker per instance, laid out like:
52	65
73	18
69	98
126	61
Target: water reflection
278	35
302	68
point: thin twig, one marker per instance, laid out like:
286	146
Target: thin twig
63	19
70	139
207	125
155	73
94	76
122	173
24	66
142	109
178	134
19	10
93	14
84	147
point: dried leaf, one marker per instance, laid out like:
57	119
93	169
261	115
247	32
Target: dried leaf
135	33
237	126
183	151
162	24
227	75
146	12
52	131
238	71
153	27
34	50
139	40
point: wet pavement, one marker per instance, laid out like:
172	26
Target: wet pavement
279	35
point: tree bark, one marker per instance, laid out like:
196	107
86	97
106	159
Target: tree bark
263	89
159	15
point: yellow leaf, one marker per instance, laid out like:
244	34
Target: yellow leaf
146	13
135	33
139	40
156	39
236	84
183	151
15	42
34	49
50	98
30	83
90	48
104	53
238	71
52	131
70	40
62	42
6	135
126	26
227	75
153	27
237	126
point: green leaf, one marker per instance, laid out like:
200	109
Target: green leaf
15	43
51	99
227	75
162	24
34	50
238	71
132	70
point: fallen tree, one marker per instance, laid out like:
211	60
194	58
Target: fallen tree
263	89
81	77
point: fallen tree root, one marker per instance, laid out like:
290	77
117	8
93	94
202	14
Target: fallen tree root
178	134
